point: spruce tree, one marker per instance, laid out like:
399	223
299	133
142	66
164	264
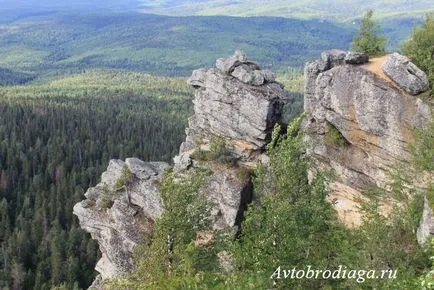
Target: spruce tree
367	39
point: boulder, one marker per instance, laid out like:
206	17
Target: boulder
120	218
227	65
356	58
405	74
334	57
248	76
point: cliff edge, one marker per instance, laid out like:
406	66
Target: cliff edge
360	120
361	116
236	106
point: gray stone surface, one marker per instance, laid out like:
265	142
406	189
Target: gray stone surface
405	74
240	104
374	121
426	225
356	58
227	65
119	225
243	106
228	194
334	57
248	76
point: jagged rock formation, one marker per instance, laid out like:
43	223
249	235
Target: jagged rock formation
119	217
360	122
360	116
236	106
236	101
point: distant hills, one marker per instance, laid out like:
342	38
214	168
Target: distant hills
338	10
47	37
54	43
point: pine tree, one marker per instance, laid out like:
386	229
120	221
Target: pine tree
367	39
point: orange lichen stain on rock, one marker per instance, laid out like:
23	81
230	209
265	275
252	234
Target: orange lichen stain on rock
242	145
347	202
358	136
203	238
374	66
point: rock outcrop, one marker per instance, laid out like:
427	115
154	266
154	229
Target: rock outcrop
360	123
236	101
360	119
405	74
236	106
119	212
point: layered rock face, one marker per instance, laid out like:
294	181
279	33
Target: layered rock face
236	101
236	106
120	215
361	116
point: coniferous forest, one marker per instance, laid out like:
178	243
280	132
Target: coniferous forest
54	145
79	90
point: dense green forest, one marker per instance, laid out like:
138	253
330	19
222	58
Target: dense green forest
73	94
55	141
59	42
50	44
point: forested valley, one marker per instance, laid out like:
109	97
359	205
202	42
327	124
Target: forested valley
56	139
75	92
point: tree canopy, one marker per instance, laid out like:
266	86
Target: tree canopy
367	39
420	47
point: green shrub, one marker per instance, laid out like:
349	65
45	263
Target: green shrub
420	47
423	148
125	178
106	202
367	39
217	152
334	138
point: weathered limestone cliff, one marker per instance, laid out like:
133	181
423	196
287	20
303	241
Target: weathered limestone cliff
361	117
236	106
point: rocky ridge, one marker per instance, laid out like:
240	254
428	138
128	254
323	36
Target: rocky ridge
360	117
236	106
